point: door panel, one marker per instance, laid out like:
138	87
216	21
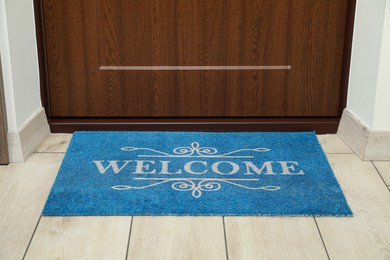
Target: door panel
102	57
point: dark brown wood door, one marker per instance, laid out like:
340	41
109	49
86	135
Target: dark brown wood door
194	58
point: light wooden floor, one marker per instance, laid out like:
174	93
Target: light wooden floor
25	234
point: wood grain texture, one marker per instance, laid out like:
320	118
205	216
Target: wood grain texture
367	143
22	144
24	188
348	37
384	170
353	132
333	144
81	36
367	234
273	238
55	143
173	238
3	125
378	146
58	143
80	238
34	133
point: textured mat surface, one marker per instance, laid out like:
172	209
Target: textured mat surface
195	173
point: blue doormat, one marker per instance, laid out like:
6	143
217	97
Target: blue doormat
195	173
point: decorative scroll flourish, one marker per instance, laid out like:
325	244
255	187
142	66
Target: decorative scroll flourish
196	185
195	150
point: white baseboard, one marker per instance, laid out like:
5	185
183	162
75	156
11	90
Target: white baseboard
33	132
368	144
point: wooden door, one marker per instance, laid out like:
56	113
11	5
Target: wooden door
194	58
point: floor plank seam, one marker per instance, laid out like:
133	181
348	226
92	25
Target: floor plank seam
339	153
322	239
32	236
50	152
380	175
224	234
128	239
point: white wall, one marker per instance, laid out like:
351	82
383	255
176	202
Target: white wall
368	92
20	62
382	102
6	67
